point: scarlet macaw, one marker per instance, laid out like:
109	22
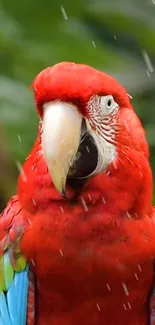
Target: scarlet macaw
78	240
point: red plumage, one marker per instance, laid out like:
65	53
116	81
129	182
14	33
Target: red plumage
75	83
92	253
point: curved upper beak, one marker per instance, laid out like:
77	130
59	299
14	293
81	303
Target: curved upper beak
61	139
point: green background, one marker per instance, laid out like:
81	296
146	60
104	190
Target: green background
116	36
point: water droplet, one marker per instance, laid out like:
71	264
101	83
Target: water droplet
84	203
32	261
21	170
125	289
64	12
27	157
126	126
128	215
61	252
136	276
104	201
33	167
93	43
108	286
124	153
148	62
115	37
29	221
89	196
98	307
33	200
19	138
87	149
124	307
139	267
61	208
129	305
115	164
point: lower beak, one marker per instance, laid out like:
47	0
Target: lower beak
61	139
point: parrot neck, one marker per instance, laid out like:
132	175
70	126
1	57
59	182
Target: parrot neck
125	188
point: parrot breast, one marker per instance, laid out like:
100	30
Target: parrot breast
87	272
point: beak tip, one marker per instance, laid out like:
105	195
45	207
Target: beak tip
63	193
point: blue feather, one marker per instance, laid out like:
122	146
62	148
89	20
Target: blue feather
24	297
1	320
4	310
18	279
11	301
13	304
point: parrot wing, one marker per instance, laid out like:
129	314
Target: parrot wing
16	279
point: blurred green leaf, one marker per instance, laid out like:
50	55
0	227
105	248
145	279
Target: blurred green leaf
113	36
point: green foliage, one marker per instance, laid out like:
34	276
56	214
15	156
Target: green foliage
115	36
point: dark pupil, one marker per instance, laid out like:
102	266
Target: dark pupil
109	103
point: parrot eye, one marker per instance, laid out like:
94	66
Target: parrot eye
108	104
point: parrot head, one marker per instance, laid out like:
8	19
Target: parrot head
89	125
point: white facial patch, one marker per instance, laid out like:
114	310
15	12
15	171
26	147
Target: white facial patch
102	125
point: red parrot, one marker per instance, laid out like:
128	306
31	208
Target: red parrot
78	240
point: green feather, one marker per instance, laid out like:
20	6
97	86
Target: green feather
6	272
2	278
21	264
9	263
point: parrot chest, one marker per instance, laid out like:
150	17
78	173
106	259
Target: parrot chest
89	276
94	292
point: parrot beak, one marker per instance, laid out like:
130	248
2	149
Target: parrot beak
60	140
